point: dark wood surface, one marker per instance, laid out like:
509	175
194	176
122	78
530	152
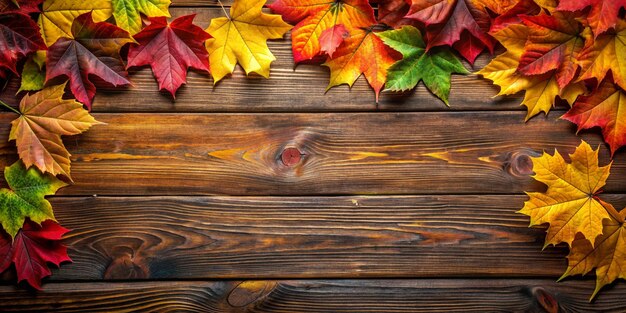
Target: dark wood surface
260	195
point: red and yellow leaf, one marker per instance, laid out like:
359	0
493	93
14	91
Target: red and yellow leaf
605	107
316	16
605	53
361	53
93	51
603	15
554	42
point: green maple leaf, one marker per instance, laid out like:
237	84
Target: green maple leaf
26	197
127	13
434	67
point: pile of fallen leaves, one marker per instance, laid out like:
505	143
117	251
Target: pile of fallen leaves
570	52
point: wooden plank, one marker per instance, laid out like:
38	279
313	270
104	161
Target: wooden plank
300	296
356	153
303	237
287	90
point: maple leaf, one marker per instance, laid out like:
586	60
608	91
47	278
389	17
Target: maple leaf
44	118
513	15
607	255
605	107
603	15
127	13
605	53
393	13
242	38
19	37
434	67
56	18
93	51
19	6
554	42
540	90
569	205
33	248
361	53
313	17
447	20
332	38
25	198
170	49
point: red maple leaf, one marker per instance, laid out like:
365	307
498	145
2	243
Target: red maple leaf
33	248
603	14
23	6
332	38
19	36
460	24
170	49
93	51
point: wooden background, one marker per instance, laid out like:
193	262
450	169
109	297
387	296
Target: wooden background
408	206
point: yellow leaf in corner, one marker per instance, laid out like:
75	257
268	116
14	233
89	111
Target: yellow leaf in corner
57	16
569	205
242	38
608	256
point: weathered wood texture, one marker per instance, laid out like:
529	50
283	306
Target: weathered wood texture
292	90
356	153
302	237
295	296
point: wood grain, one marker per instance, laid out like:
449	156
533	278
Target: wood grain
302	237
356	153
300	296
290	89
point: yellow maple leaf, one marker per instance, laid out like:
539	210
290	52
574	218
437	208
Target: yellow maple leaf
607	256
242	38
569	205
541	90
57	16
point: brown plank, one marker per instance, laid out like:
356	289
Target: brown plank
356	153
299	296
287	90
303	237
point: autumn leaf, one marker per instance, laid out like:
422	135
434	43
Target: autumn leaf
44	118
170	49
513	15
19	6
242	38
540	90
25	198
447	20
33	73
605	107
56	18
393	13
554	43
605	53
569	205
32	249
607	255
603	14
94	50
19	37
332	38
128	13
313	17
361	53
434	67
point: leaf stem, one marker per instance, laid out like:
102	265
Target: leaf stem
223	9
10	107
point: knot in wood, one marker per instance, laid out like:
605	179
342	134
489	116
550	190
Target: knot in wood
124	267
291	156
